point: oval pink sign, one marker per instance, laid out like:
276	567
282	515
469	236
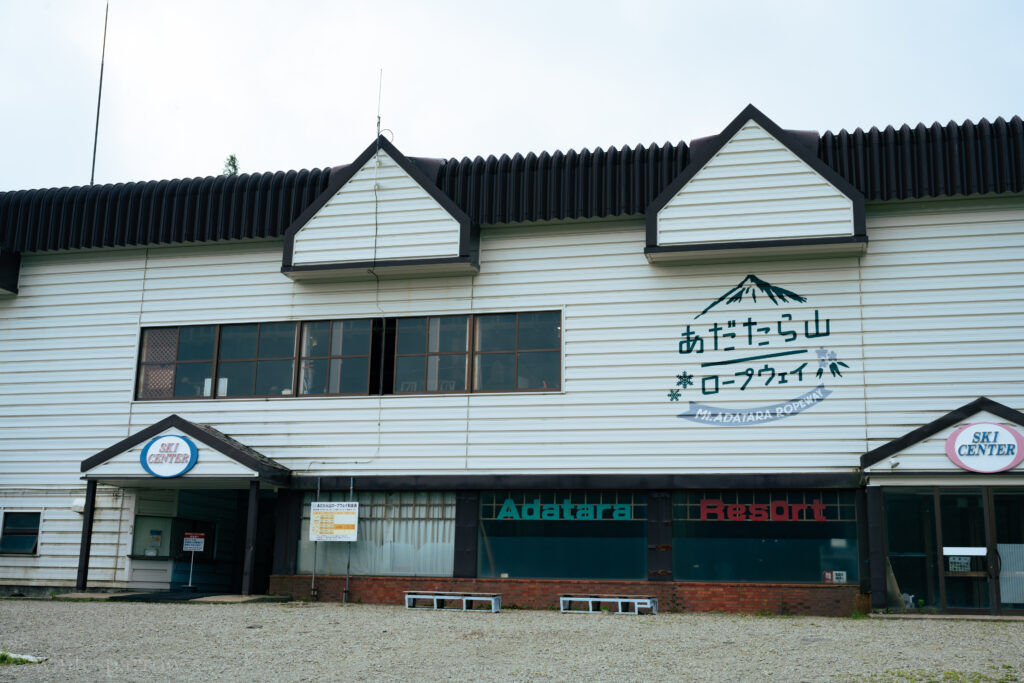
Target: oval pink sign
985	447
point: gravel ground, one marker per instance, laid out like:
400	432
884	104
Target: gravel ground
300	641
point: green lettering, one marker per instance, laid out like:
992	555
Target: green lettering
584	511
567	509
550	511
601	507
621	511
508	510
532	510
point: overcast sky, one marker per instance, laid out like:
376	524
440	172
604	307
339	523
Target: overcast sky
288	85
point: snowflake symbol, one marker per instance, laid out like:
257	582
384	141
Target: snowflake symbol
673	395
684	380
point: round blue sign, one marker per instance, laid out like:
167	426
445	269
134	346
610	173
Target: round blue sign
169	456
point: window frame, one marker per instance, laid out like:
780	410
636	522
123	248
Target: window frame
427	353
294	358
369	356
383	357
3	531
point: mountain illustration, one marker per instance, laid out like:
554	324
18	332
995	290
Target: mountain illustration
750	287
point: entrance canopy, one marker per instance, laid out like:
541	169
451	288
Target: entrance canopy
177	453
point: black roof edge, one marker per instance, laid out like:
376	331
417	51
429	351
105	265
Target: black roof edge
935	426
794	141
10	267
467	235
265	468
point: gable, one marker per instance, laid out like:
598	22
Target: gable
210	462
754	186
381	214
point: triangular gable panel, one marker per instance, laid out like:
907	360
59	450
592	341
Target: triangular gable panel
382	211
211	463
924	449
754	185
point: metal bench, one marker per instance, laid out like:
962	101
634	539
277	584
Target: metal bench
439	600
595	603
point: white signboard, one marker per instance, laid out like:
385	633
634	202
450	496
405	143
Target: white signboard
194	541
169	456
333	521
985	447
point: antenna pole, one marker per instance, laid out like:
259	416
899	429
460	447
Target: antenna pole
380	85
99	97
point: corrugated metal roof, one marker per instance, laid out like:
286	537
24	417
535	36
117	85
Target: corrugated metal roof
904	163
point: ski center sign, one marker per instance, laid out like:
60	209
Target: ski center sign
169	456
985	447
740	353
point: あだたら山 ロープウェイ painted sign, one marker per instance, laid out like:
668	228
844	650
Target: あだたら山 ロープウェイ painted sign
169	456
755	336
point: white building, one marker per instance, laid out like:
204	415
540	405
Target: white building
725	373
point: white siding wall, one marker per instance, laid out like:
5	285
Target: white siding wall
408	222
754	188
930	318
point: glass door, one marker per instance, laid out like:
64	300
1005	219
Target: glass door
968	569
1008	511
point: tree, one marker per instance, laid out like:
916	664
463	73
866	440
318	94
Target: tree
230	165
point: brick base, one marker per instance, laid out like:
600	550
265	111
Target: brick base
749	598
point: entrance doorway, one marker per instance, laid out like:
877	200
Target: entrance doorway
956	549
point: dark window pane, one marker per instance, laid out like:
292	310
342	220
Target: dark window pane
21	522
538	370
350	376
235	379
196	343
156	381
412	335
446	373
192	379
496	332
315	337
237	341
540	330
449	333
314	377
351	338
277	340
160	346
495	372
18	544
274	377
409	374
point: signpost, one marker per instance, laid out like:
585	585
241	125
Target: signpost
194	542
334	521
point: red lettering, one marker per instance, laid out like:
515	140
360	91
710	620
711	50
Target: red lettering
736	513
710	507
759	512
819	510
797	509
780	511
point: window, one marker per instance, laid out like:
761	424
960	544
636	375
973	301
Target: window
431	354
336	357
495	352
20	533
567	534
400	534
791	536
518	352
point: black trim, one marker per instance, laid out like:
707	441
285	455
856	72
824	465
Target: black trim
863	554
85	546
469	234
287	531
510	482
876	541
10	267
467	525
704	153
266	469
251	521
935	426
469	261
757	244
659	536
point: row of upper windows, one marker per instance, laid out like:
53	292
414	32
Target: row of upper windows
430	354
